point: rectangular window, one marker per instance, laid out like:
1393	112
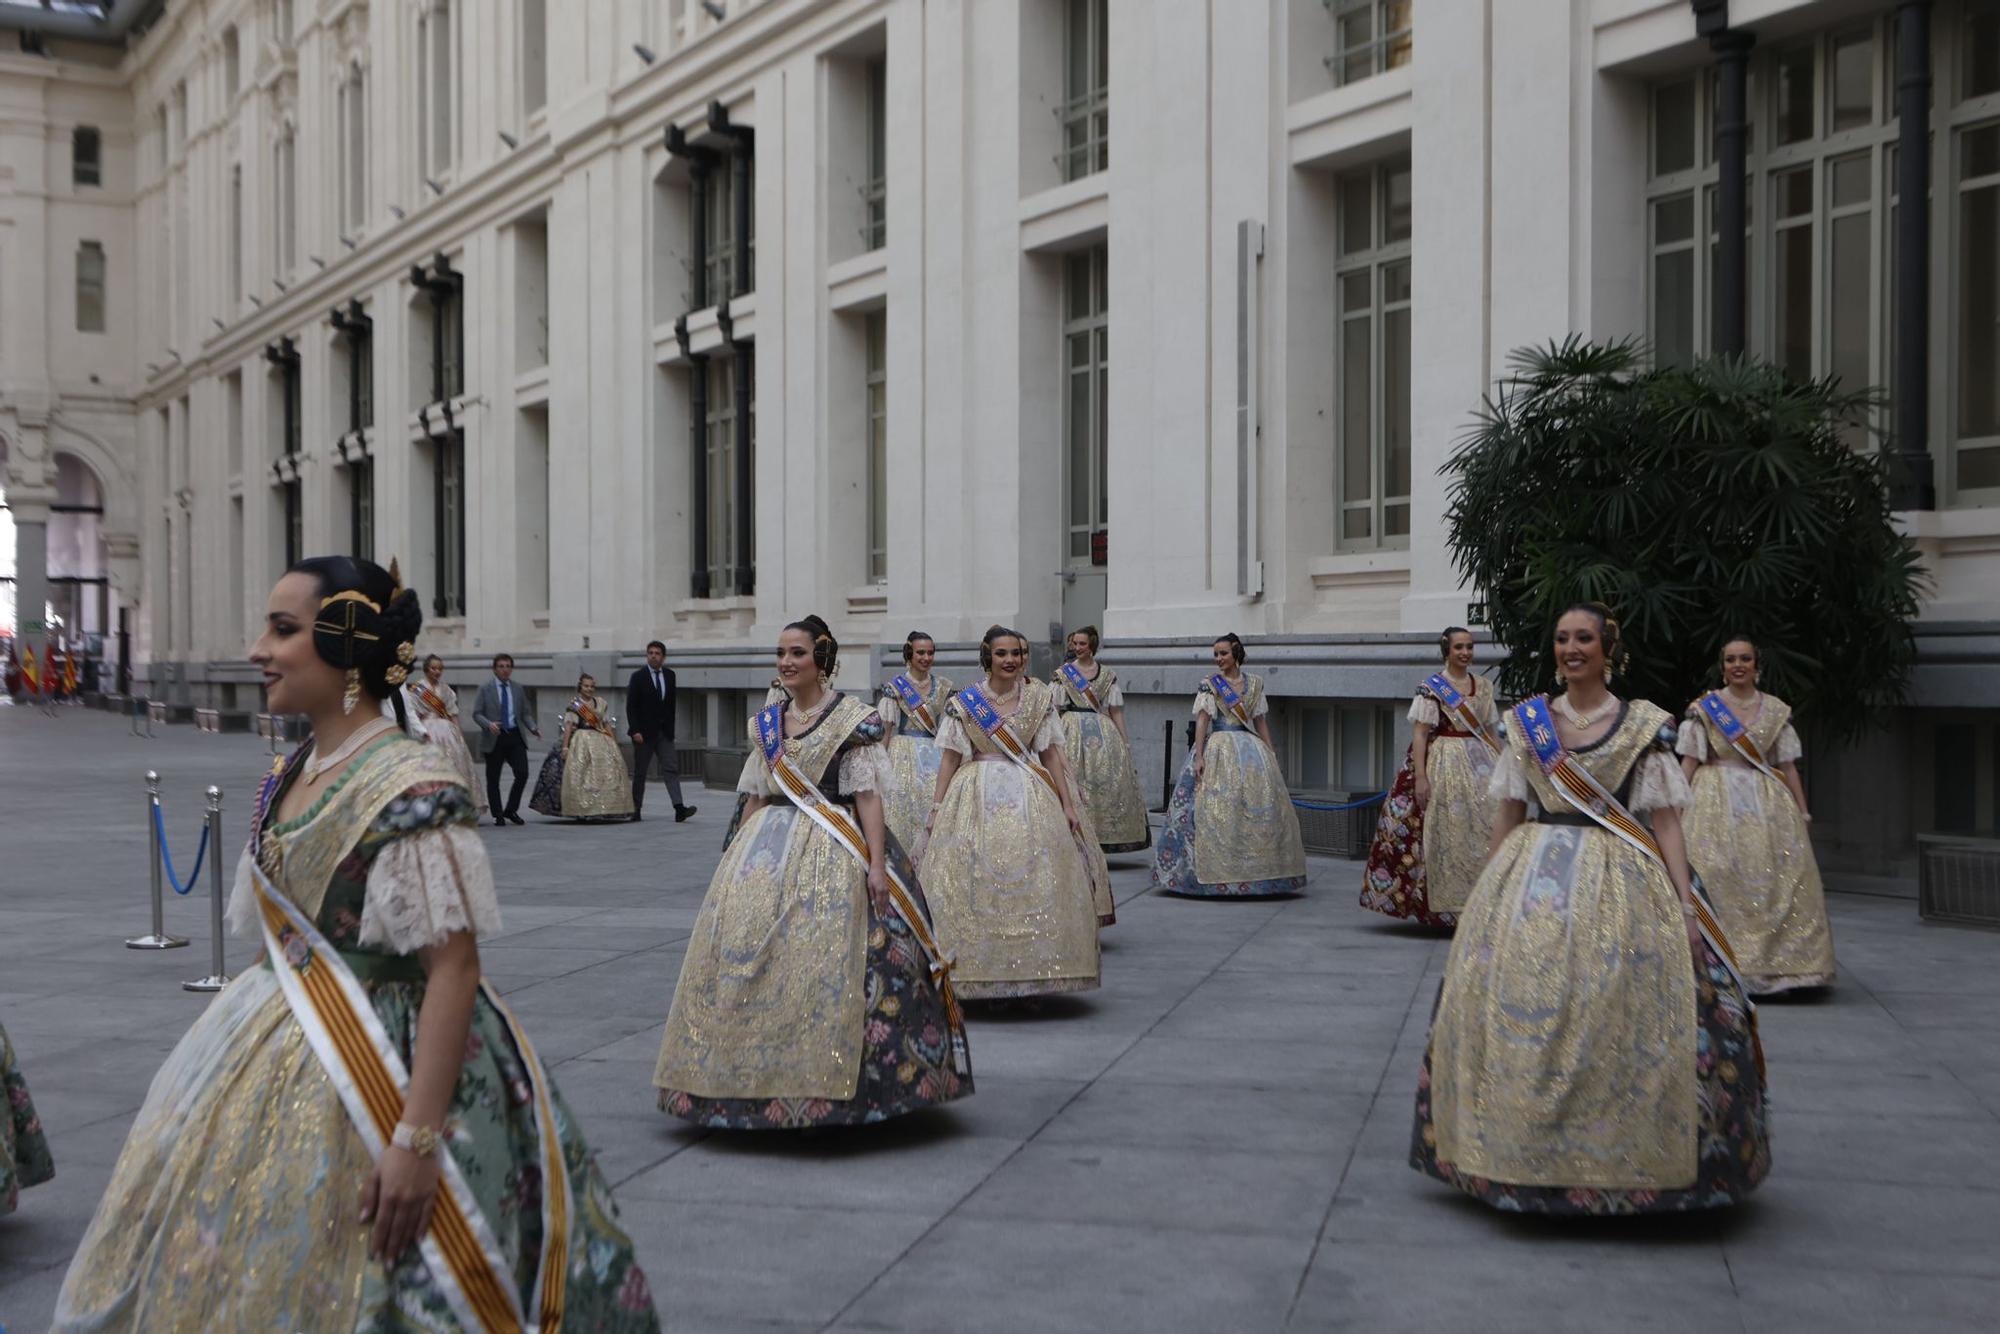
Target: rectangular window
1370	36
877	335
1372	360
361	508
1977	424
452	312
449	498
720	448
89	287
534	56
86	157
1342	747
232	65
1673	279
875	190
718	261
1086	371
1086	85
353	133
235	236
285	208
295	523
436	97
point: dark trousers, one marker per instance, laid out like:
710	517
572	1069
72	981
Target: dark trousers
643	755
509	748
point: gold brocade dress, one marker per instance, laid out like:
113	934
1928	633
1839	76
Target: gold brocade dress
913	762
439	724
1747	839
1423	862
1011	889
584	776
234	1204
1582	1058
1233	834
799	1004
1100	760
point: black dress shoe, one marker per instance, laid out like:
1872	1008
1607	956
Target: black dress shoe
514	819
635	817
499	822
683	813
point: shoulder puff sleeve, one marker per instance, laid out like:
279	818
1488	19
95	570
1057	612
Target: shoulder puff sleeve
432	881
1509	782
1114	699
1787	750
865	768
1263	703
951	735
1204	703
1423	710
1049	733
1693	743
888	708
755	780
1659	783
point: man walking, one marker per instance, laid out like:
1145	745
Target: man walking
501	714
649	721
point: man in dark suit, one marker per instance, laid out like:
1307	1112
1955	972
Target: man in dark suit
649	721
501	713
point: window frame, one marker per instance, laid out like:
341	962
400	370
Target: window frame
1093	327
875	186
1384	49
86	171
875	393
1086	109
1377	259
719	443
92	289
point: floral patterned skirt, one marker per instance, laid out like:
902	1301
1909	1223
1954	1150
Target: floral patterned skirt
906	1057
1733	1147
547	796
24	1151
1393	882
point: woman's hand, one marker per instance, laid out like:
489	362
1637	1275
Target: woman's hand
1423	792
398	1200
1075	825
878	888
1198	767
1694	930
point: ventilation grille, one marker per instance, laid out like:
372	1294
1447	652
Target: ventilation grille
1958	879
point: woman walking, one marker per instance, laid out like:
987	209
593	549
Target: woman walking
584	776
432	709
911	706
1097	748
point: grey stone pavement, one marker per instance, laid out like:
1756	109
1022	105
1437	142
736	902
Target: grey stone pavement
1213	1142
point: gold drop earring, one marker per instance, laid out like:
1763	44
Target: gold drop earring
823	679
353	691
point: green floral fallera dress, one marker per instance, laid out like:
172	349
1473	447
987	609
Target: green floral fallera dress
24	1151
233	1205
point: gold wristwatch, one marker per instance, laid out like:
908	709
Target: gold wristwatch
420	1140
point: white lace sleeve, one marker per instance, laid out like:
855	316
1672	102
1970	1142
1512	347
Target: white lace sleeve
1660	784
1048	734
864	769
951	736
1694	741
1788	748
1424	710
889	709
1204	703
241	912
755	780
1116	699
1263	706
1508	782
428	885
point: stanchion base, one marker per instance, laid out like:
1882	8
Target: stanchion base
214	983
155	943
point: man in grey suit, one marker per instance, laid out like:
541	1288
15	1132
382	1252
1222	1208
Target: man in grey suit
501	713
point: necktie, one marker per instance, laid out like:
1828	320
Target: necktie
659	686
506	707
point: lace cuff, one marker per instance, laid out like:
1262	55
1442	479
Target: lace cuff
240	914
1693	742
1509	781
1424	711
951	736
1660	784
755	780
428	885
1788	749
864	769
1205	703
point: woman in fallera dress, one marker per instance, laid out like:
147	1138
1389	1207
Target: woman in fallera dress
1430	839
1097	748
812	992
584	776
912	707
1592	1051
773	694
432	709
24	1150
1230	830
1009	867
355	1135
1746	832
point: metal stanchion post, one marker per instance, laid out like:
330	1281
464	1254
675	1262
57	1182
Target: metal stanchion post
159	939
1167	767
217	978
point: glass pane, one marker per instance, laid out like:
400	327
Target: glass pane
1314	724
1853	75
1673	308
1357	752
1076	285
1080	417
1396	210
1396	282
1357	212
1980	70
1355	292
1100	440
1847	301
1978	469
1673	220
1794	301
1978	280
1356	525
1396	401
1851	180
1077	65
1673	127
1356	478
1396	520
1979	152
1793	94
1794	192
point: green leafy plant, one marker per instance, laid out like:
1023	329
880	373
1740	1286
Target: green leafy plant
1700	503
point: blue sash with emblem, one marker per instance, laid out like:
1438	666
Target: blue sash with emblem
1717	711
1448	698
1074	678
913	704
1231	700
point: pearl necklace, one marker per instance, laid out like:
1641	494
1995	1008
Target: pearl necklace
807	716
998	698
363	734
1586	719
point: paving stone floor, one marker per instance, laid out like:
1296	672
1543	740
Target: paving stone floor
1213	1142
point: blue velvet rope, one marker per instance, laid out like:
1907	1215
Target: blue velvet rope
200	851
1343	806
